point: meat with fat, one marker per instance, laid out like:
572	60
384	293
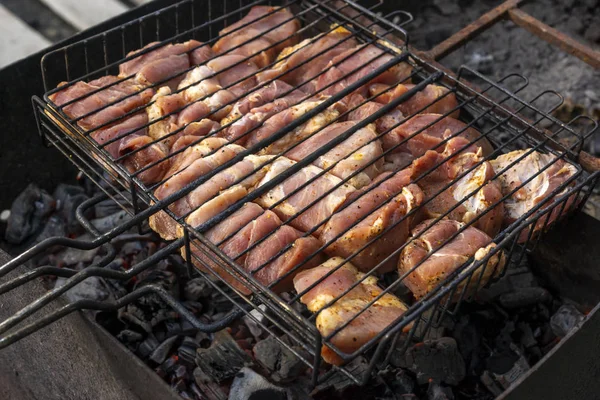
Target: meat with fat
293	199
458	185
434	99
374	221
358	320
530	164
358	158
436	250
261	245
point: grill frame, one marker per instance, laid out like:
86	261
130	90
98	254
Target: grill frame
434	300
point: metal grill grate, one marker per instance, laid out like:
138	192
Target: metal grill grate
495	111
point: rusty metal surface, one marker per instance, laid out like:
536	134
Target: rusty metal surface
472	30
555	37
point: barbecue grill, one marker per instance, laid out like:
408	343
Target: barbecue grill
495	109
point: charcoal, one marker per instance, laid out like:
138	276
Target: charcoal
68	198
438	359
436	391
148	346
255	329
278	359
106	207
565	319
129	336
223	359
197	288
524	297
160	354
187	349
400	382
55	226
490	384
111	221
249	385
447	7
209	388
203	339
28	212
527	338
339	382
71	256
506	365
93	288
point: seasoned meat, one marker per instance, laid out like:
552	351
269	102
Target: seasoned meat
361	153
105	100
161	222
426	132
263	259
309	188
239	131
366	215
301	64
361	327
445	191
130	136
356	63
282	119
428	259
259	98
263	23
242	176
162	63
529	164
433	99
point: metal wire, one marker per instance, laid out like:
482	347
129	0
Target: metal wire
63	132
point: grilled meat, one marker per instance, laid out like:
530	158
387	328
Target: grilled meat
101	101
301	64
165	65
445	191
436	250
427	132
259	34
307	188
530	164
433	99
238	237
359	155
208	159
365	216
361	327
239	131
282	119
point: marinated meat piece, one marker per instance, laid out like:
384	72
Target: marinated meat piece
300	64
128	137
161	222
252	256
194	152
284	118
238	132
309	189
361	327
101	101
259	98
366	215
249	44
234	68
206	83
457	159
361	153
426	132
169	113
162	63
433	99
356	63
529	164
428	259
242	176
262	22
227	228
